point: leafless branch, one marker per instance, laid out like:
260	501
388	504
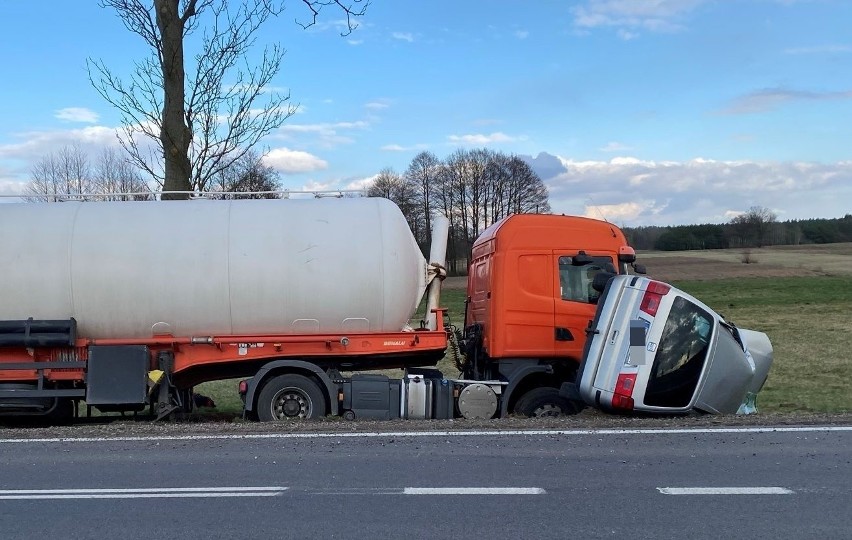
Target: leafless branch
349	9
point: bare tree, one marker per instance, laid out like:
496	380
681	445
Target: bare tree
204	116
488	186
473	188
249	175
116	179
752	227
391	185
456	182
61	175
423	173
477	189
446	200
44	184
525	192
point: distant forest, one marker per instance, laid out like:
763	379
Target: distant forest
742	233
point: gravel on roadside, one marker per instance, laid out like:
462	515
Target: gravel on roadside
587	420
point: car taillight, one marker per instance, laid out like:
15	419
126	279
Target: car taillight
653	294
622	399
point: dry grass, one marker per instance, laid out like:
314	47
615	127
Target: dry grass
803	260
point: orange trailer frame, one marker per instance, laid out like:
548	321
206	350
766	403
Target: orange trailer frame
200	359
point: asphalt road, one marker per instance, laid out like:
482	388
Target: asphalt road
598	484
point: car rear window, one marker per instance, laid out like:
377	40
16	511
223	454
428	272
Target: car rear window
680	355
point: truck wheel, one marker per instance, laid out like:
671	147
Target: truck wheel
545	402
63	412
290	397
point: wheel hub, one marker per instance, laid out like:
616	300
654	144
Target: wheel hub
546	411
292	405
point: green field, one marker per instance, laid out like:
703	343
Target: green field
808	319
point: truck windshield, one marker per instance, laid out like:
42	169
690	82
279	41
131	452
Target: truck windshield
680	355
576	281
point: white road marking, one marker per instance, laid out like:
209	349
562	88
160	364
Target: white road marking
473	491
725	491
141	490
248	491
410	434
142	493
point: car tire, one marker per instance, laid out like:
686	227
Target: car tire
545	402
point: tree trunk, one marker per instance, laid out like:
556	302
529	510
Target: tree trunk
174	133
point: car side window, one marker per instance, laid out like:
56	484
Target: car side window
575	281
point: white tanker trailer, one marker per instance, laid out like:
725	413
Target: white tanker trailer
226	267
129	304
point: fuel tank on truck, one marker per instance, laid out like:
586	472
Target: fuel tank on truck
205	267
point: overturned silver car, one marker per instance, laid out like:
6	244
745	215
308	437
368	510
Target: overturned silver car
655	349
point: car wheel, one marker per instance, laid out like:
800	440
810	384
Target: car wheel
545	402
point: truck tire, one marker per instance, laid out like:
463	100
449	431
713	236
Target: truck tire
290	397
63	412
545	402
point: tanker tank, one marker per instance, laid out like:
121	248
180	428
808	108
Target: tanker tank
203	267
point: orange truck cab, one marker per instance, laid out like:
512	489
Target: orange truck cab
530	299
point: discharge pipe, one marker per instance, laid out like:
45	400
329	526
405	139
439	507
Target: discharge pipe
437	267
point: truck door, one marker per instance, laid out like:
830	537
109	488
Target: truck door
575	300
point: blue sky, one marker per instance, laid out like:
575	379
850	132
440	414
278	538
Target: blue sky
644	112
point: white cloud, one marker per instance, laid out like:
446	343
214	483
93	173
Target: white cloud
355	41
650	15
293	161
614	146
393	148
617	213
361	183
772	98
338	184
400	148
481	138
377	105
403	36
522	34
36	144
328	134
77	114
632	191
